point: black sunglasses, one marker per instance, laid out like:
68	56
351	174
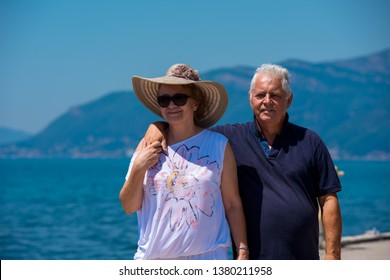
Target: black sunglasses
179	99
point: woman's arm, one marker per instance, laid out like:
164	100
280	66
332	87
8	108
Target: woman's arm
131	194
232	203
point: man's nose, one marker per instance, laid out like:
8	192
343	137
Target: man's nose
267	98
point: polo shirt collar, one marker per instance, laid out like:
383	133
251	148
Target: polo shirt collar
279	139
256	130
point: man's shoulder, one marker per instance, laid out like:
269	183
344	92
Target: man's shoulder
304	136
226	128
304	131
234	132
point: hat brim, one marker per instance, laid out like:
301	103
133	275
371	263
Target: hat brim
215	96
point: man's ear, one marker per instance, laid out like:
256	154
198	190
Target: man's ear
289	101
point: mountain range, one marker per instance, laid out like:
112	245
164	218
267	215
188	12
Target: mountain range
345	101
9	135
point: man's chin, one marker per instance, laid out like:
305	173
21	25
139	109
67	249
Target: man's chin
266	116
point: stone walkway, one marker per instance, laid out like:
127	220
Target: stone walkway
366	250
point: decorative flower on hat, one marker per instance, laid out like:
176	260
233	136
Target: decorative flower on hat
183	71
188	183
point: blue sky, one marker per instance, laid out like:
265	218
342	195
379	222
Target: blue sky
58	54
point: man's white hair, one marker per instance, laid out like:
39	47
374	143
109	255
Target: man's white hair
277	70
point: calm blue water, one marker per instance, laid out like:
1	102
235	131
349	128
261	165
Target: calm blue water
69	209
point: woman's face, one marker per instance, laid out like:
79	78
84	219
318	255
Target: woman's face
183	110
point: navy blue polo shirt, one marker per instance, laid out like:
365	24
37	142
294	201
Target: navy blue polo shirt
279	191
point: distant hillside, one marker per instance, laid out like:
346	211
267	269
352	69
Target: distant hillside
9	135
379	63
346	102
107	127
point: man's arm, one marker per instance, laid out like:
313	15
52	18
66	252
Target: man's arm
331	220
156	132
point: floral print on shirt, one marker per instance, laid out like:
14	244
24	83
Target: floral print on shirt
188	182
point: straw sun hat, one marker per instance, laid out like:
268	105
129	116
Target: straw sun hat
214	95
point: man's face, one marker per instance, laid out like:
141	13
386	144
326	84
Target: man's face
269	101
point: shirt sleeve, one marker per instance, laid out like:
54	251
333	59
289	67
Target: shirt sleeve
328	180
131	165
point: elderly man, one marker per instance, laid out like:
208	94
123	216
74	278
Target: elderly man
285	174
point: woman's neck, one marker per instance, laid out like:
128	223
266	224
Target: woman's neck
177	134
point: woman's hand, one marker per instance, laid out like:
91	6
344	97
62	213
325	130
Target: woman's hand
148	156
242	254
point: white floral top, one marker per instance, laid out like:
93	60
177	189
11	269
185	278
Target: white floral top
182	211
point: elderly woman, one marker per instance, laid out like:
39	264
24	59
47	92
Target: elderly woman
187	200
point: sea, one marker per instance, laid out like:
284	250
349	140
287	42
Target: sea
69	209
